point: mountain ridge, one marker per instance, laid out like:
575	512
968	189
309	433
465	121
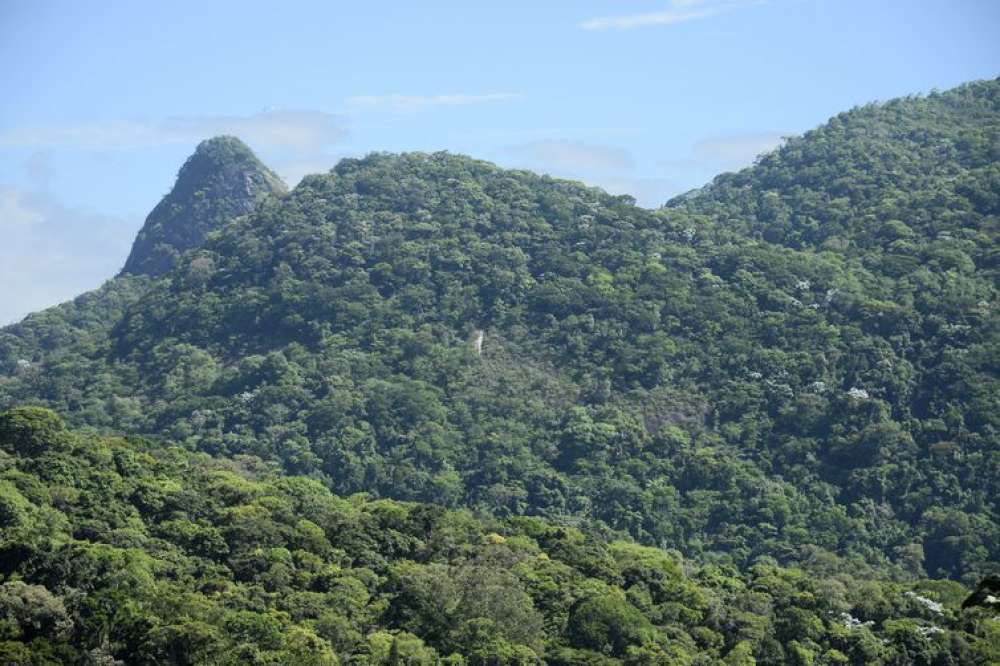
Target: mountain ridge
784	388
328	330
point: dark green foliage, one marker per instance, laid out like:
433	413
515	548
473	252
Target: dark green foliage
145	554
987	594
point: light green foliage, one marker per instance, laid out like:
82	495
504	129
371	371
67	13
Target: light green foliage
229	562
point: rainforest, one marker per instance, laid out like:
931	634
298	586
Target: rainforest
421	409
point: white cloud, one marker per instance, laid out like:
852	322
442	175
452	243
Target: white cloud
735	151
15	214
292	130
294	170
39	170
573	156
679	11
608	167
649	192
419	102
51	253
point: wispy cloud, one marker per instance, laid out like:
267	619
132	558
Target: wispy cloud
295	130
736	150
573	156
292	130
650	192
679	11
709	156
609	167
52	253
418	102
296	168
39	169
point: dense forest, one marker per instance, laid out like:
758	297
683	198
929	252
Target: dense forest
783	385
122	551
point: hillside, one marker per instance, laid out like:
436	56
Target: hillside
797	365
120	551
878	177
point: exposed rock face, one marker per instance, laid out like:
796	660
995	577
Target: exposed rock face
222	180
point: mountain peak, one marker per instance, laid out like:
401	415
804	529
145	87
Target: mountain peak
224	148
223	179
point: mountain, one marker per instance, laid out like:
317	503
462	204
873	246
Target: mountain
123	551
223	179
878	177
794	367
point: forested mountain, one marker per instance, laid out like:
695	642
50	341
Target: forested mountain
126	552
795	366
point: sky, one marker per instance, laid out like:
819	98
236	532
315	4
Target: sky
103	101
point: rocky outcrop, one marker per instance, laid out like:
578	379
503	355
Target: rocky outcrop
222	180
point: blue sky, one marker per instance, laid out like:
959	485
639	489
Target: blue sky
102	101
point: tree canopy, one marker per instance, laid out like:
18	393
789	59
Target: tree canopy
793	369
124	551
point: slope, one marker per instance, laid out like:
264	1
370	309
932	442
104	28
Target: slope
666	374
219	181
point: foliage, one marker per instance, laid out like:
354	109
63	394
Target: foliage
794	368
160	555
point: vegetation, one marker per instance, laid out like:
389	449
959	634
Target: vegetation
121	551
787	379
